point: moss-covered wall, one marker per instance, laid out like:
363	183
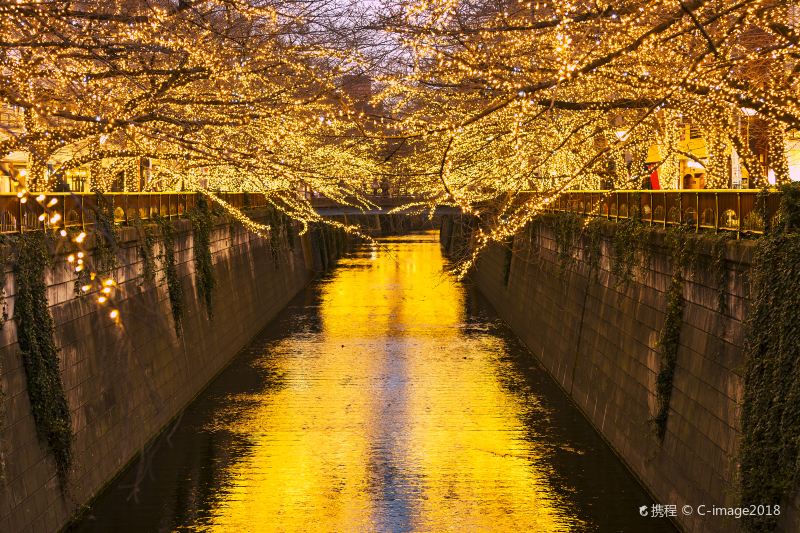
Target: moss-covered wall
124	381
649	338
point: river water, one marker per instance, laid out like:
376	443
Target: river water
386	397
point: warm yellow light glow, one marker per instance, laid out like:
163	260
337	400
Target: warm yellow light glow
315	468
543	96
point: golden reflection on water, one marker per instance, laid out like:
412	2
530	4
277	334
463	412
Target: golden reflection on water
388	417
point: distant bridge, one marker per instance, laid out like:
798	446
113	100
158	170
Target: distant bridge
374	205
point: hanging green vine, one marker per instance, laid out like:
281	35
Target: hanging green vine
719	271
770	445
592	244
82	279
174	284
626	245
290	229
760	208
681	250
789	212
534	238
35	332
566	228
275	230
4	316
202	225
508	257
231	222
146	251
105	235
3	321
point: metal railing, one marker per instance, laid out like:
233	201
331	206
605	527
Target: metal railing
740	211
40	211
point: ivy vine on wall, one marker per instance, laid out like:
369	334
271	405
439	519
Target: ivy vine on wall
566	228
290	229
508	249
174	284
3	321
592	244
770	446
718	269
105	235
4	316
275	231
146	251
35	332
625	245
202	225
682	248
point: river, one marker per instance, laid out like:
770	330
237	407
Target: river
387	397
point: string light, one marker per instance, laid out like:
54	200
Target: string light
553	96
477	102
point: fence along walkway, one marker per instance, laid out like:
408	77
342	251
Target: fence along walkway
34	212
741	211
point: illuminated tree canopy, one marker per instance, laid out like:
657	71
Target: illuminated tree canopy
550	96
226	95
473	100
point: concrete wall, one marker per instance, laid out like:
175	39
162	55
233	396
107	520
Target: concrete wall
124	382
598	339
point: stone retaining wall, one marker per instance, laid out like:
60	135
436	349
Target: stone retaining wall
599	339
126	380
